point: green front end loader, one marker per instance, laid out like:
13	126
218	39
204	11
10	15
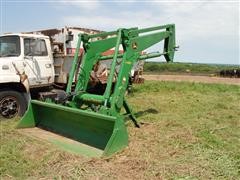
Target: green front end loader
94	121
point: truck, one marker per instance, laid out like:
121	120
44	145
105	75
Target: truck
36	65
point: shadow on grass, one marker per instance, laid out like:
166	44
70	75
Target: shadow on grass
147	111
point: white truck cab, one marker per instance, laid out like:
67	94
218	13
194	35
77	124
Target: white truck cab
37	64
26	62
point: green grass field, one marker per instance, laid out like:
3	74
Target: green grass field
185	68
188	131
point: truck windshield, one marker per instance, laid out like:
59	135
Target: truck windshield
9	46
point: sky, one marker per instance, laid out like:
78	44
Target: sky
206	31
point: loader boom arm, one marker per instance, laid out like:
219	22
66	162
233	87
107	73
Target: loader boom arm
133	41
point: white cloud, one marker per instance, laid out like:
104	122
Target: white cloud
124	19
191	19
203	19
83	4
201	25
124	1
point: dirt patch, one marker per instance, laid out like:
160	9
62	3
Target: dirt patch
202	79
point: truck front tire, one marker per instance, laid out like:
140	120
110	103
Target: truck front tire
12	104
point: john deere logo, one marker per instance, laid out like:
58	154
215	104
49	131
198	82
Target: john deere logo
134	45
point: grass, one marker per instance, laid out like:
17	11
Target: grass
186	68
188	131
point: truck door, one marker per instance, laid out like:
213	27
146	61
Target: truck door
39	64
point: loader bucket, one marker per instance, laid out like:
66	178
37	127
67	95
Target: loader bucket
96	134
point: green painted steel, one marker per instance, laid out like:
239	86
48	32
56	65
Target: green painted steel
113	66
98	131
74	65
142	57
96	120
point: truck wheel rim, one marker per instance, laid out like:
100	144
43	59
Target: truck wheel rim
9	107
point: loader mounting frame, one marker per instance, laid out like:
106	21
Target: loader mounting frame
96	120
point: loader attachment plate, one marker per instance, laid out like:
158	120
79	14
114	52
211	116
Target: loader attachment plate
97	132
